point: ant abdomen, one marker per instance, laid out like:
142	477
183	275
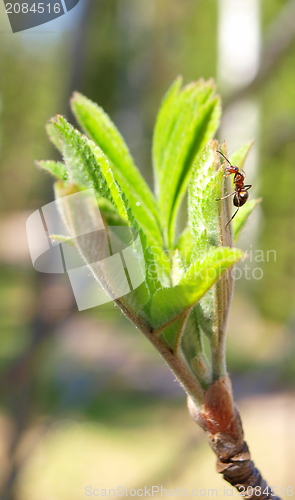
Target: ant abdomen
240	198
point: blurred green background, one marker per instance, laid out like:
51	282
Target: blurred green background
85	401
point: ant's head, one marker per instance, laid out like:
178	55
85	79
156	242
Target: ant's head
231	169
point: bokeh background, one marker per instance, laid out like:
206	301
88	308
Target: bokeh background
85	401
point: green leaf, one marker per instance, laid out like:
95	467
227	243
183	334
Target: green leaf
206	311
169	304
203	209
86	165
172	334
242	216
193	351
55	168
201	367
177	268
112	218
192	342
187	120
185	246
205	130
207	218
109	213
138	298
98	126
170	107
155	266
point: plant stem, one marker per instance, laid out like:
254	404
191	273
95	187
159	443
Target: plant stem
222	424
175	361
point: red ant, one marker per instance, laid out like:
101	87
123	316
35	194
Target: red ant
240	193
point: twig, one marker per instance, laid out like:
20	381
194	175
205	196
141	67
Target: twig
221	422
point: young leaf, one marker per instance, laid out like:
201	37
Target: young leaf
193	349
169	304
55	168
86	166
212	309
203	208
138	298
98	126
185	246
138	215
205	130
154	264
187	120
172	334
169	110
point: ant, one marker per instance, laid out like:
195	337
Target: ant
240	193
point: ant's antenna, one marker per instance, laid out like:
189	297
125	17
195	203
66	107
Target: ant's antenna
224	156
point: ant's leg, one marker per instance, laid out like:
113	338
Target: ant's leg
227	196
232	216
245	188
234	213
